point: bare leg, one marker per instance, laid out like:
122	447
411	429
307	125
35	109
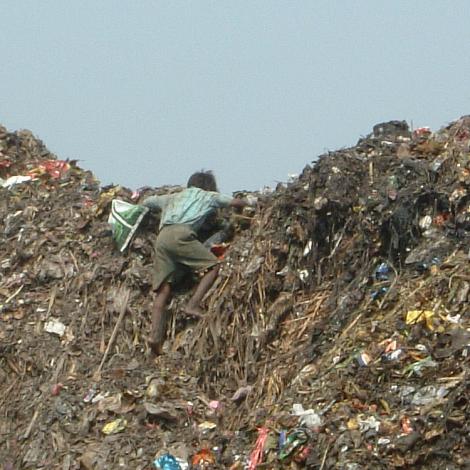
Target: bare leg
160	317
193	306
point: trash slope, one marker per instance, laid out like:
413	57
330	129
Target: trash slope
337	335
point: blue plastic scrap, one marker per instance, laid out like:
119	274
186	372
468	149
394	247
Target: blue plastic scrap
382	272
167	462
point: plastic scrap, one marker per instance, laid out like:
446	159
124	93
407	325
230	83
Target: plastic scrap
207	426
13	180
429	395
368	424
54	168
406	425
418	366
308	418
203	458
416	316
422	132
90	394
392	355
256	456
382	272
113	427
167	462
56	388
125	219
379	293
363	359
4	163
215	405
55	326
294	441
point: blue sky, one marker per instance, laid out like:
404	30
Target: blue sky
146	92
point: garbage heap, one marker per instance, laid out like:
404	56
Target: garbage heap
336	337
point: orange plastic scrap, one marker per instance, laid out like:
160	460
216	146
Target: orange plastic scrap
391	345
256	456
406	425
440	219
203	457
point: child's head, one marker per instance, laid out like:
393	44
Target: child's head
204	180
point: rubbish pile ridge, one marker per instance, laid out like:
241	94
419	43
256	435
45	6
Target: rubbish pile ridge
337	335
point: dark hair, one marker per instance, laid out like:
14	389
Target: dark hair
204	180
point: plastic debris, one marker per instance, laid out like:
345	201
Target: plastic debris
295	440
429	395
256	456
418	367
308	418
167	462
54	168
56	388
215	405
152	389
425	222
392	355
382	272
207	426
14	180
392	199
417	316
368	424
363	359
406	425
378	294
125	219
203	459
55	326
113	427
90	394
422	132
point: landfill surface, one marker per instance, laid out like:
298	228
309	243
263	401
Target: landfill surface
337	335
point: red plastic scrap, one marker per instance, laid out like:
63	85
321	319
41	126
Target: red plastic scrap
219	250
421	131
256	456
462	134
302	456
56	388
5	163
54	168
88	202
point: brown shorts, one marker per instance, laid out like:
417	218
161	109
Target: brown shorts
176	250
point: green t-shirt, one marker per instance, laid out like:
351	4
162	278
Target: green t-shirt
190	206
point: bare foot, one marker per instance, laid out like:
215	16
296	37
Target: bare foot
191	311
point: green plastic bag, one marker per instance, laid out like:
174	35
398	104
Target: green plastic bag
125	219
